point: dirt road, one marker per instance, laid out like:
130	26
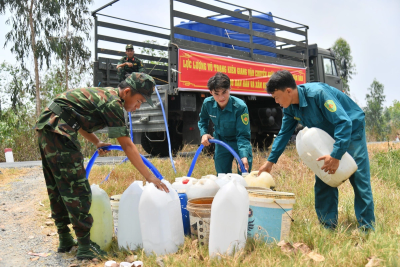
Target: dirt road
24	212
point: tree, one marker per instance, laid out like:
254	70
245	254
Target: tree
32	21
374	115
36	29
344	61
16	86
71	48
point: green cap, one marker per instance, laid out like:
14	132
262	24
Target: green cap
129	46
142	83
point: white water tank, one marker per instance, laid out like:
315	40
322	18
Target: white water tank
312	143
160	220
229	219
129	232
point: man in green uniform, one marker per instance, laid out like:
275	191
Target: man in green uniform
127	65
231	124
84	111
325	107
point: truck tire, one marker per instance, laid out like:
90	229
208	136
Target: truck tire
263	142
161	148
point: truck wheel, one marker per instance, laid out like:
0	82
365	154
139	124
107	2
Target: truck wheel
161	148
263	142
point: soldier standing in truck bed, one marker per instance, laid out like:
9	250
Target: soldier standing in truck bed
130	63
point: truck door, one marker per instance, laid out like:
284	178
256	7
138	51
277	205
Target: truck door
331	76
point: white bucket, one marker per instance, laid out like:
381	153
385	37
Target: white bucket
9	155
114	200
270	215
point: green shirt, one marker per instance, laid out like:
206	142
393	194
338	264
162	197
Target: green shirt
95	108
231	124
123	71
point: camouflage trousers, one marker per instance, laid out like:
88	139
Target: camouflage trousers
68	189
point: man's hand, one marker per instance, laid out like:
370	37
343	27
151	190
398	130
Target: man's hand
101	151
204	139
246	164
330	164
129	64
266	167
157	182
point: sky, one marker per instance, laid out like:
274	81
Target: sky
372	28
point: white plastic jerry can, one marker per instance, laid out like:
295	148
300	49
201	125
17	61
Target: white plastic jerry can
160	220
239	178
203	188
102	228
229	219
129	232
264	180
312	143
183	183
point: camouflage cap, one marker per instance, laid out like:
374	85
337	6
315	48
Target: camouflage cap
129	46
142	83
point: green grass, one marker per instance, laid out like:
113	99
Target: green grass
346	246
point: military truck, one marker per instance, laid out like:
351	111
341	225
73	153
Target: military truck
232	34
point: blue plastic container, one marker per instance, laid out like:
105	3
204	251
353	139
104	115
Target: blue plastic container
185	213
205	28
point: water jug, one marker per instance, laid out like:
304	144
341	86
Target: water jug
160	220
102	228
224	179
209	176
129	232
203	188
312	143
183	183
264	180
229	219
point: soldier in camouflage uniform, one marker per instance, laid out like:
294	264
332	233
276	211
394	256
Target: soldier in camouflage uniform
86	110
127	65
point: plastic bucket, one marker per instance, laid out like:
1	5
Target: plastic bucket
114	200
199	216
270	215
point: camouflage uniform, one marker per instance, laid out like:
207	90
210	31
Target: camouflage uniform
64	172
125	70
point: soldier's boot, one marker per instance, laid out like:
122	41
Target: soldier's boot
90	251
66	242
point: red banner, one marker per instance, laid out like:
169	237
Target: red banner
247	77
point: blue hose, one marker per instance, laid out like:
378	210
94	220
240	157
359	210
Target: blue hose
130	124
114	147
218	142
166	129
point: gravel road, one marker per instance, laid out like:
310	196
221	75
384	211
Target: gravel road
23	226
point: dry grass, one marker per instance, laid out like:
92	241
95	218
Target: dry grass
344	247
8	175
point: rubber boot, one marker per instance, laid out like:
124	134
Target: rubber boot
66	242
90	251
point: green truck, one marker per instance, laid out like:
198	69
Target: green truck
230	32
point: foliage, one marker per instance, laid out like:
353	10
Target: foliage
154	52
344	61
374	116
36	27
16	86
71	48
394	114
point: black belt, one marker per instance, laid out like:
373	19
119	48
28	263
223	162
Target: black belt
66	116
